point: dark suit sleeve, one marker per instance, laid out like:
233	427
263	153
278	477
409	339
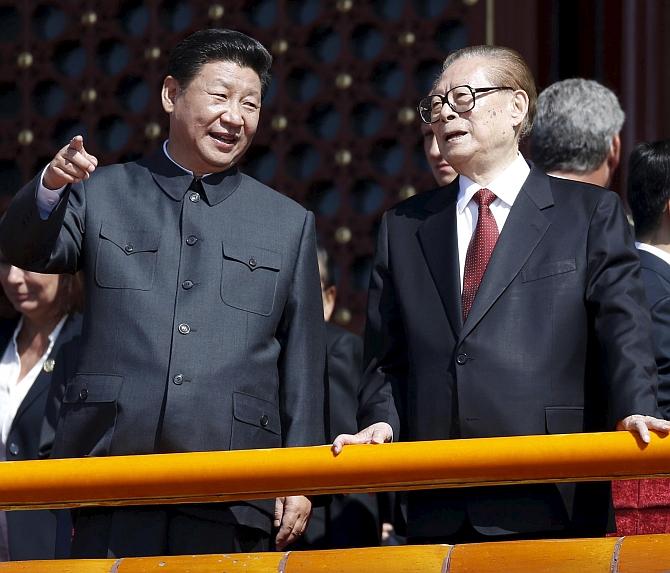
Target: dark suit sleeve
302	358
660	321
385	345
616	301
345	364
52	245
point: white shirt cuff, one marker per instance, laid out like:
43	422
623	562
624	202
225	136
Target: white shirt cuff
47	199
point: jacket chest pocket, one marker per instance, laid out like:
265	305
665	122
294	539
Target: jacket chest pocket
249	278
126	259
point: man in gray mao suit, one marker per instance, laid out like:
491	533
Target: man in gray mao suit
203	320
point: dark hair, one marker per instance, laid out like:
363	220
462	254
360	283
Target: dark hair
218	45
648	184
506	67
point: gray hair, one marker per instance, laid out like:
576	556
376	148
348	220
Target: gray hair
574	126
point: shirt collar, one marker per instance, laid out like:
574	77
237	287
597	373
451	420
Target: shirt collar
506	186
660	253
176	180
167	154
53	335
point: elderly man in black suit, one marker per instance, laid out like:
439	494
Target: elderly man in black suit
495	305
649	200
203	325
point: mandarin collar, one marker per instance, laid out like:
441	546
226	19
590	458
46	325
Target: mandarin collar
176	181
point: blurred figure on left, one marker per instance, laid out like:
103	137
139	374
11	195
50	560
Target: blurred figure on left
38	350
443	173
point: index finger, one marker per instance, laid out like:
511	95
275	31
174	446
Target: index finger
77	143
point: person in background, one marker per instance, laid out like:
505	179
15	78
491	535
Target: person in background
38	354
497	306
576	131
443	173
350	520
649	201
203	327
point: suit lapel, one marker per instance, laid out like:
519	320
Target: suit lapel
41	384
439	243
526	224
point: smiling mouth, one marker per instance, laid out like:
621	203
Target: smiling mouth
224	138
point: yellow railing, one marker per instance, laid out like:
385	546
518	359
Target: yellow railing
638	554
255	474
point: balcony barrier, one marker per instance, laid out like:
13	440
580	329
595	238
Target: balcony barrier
636	554
255	474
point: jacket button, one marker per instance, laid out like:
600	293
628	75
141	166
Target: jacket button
187	284
265	420
252	262
14	449
191	240
184	328
129	248
194	197
178	379
461	359
83	394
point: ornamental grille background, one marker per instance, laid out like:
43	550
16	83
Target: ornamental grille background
338	131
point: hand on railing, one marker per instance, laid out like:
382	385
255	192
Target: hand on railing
638	424
292	513
378	433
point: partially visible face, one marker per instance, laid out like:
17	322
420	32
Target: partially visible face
29	293
214	119
443	173
483	138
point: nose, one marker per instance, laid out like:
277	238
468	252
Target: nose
446	113
15	275
232	114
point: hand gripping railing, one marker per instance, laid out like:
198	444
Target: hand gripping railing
255	474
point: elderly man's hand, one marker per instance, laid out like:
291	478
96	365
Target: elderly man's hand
641	425
378	433
292	515
71	164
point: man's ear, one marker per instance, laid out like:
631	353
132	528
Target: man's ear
614	155
519	105
169	93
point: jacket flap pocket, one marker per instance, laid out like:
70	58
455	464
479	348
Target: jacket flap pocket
131	241
253	257
256	411
564	419
549	269
93	388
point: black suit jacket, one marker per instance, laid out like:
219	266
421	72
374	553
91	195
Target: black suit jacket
656	279
203	326
557	341
33	534
347	520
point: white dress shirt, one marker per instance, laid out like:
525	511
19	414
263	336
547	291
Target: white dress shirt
506	187
660	253
12	393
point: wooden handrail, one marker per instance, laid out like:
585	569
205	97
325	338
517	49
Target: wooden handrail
648	553
255	474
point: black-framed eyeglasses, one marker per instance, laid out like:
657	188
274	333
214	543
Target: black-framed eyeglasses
460	99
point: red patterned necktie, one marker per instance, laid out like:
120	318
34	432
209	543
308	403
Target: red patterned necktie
479	250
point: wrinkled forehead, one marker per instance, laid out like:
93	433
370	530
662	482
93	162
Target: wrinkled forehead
474	72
